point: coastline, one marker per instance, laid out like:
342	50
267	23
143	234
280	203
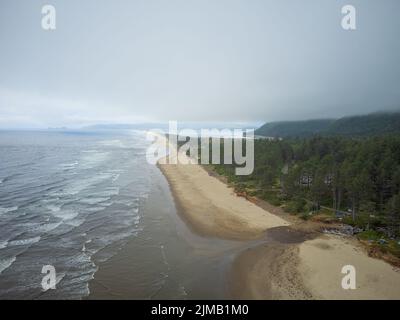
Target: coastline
212	209
304	268
160	261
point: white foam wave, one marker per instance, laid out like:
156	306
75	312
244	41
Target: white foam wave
69	165
95	209
65	214
89	151
49	226
6	263
80	185
91	159
23	242
84	245
75	222
110	191
9	209
3	244
94	200
127	202
53	208
114	143
136	219
39	228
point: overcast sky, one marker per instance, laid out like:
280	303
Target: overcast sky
195	60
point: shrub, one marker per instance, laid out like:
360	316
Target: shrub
370	235
296	206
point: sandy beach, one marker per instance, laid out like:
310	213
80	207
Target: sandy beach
213	209
280	267
321	261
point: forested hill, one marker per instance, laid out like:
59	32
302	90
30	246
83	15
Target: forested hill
294	128
365	125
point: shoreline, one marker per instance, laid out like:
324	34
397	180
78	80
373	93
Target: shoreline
212	209
309	268
160	261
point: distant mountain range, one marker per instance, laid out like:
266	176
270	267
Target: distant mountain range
164	126
363	125
125	126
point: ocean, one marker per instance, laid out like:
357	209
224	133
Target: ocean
66	198
90	205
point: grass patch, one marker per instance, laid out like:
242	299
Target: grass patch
296	206
370	235
272	197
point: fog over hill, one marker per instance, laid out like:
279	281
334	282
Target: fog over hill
361	125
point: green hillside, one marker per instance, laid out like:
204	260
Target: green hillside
364	125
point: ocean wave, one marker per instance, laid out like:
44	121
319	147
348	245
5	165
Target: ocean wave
11	176
136	220
112	143
89	151
91	159
24	242
95	209
109	191
94	200
115	170
39	227
81	185
65	214
118	143
126	202
75	222
49	226
6	210
81	199
84	245
69	165
53	208
6	263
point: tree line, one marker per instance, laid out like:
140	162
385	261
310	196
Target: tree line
358	178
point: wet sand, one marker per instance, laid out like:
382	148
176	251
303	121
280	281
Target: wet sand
166	260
